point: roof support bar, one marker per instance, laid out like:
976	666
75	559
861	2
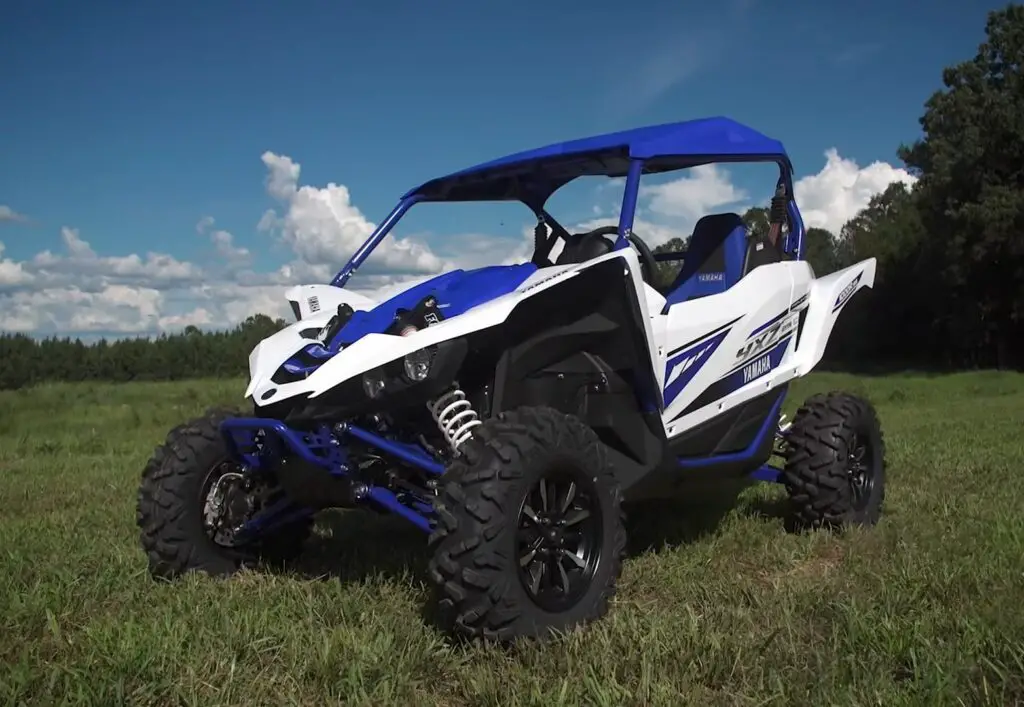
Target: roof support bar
629	198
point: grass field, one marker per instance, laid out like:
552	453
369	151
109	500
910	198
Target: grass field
714	608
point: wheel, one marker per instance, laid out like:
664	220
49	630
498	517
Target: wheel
530	533
835	462
192	497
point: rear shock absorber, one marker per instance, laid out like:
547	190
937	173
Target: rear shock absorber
455	416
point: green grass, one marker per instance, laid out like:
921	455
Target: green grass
713	608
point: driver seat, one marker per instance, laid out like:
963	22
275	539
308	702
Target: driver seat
714	258
581	248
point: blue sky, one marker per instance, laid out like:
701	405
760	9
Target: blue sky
131	122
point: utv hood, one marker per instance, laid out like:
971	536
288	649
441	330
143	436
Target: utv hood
294	353
456	292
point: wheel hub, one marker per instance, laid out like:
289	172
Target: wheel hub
558	542
228	504
860	473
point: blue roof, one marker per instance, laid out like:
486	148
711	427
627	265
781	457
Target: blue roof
532	176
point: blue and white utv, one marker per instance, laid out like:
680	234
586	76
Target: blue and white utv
509	411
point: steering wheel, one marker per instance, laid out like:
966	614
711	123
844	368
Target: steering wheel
648	265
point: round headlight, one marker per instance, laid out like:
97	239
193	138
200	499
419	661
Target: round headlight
417	365
373	383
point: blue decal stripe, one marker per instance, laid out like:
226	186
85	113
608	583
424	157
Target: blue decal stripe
768	323
739	377
702	337
680	369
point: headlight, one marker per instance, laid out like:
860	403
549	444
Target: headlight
417	365
373	383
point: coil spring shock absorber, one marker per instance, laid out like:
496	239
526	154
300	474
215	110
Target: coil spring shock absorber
452	412
455	416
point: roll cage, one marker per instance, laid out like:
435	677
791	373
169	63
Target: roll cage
532	177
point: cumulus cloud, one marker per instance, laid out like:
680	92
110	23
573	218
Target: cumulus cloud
9	215
112	308
670	209
79	291
841	189
76	290
204	225
322	225
703	189
81	263
223	242
12	274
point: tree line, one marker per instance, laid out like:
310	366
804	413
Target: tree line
193	353
949	289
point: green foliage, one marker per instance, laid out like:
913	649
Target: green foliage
191	354
822	251
757	220
667	270
971	195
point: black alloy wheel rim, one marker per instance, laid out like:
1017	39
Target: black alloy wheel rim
558	540
861	472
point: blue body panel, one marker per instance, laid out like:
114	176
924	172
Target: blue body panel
457	291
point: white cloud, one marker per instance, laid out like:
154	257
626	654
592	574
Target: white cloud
113	308
323	226
12	274
224	243
670	209
204	225
841	189
7	214
704	188
83	264
79	291
199	317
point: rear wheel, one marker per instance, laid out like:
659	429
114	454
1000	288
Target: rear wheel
193	500
530	533
835	462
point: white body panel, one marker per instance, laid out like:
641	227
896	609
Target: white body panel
316	299
754	300
749	335
373	350
759	298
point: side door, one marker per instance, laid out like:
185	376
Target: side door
720	350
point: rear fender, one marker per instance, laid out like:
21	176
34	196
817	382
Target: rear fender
828	296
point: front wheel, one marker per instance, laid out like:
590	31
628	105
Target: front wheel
193	498
530	533
835	462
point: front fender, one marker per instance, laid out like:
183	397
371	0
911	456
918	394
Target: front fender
374	350
827	298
